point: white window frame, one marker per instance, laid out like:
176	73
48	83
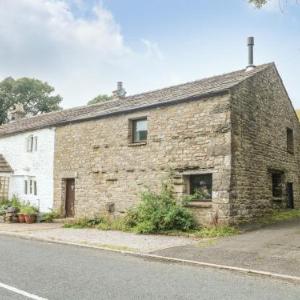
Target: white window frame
32	143
30	186
25	186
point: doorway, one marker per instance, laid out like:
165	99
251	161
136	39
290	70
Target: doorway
290	195
70	198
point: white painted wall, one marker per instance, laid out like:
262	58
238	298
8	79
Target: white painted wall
37	164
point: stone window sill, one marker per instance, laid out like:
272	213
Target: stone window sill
137	144
200	204
277	199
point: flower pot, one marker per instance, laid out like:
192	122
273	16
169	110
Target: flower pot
29	219
21	218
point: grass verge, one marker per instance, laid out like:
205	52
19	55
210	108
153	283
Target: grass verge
105	223
279	216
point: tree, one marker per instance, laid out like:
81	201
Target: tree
259	3
100	99
35	96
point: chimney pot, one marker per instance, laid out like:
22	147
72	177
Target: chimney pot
250	43
120	91
17	112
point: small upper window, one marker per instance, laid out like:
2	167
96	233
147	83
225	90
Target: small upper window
35	140
139	130
201	186
290	140
32	143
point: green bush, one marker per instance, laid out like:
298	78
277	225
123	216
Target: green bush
16	202
158	212
6	203
49	216
28	209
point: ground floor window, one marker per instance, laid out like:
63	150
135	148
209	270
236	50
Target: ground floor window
30	186
277	185
201	187
4	186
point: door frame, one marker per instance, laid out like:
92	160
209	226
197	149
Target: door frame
290	195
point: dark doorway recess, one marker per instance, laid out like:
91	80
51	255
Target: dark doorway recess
290	195
70	198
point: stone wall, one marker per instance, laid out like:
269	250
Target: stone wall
188	138
261	114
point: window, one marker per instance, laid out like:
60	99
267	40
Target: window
25	187
277	185
31	143
30	187
201	186
290	140
35	139
139	130
34	188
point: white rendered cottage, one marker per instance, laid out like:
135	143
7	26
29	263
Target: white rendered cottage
27	146
30	156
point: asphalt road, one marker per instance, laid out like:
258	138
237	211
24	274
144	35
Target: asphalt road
52	271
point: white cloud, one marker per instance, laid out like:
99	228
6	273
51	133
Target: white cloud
152	49
79	56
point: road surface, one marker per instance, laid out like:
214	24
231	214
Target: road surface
37	270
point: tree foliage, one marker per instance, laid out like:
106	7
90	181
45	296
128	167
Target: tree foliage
259	3
100	99
35	96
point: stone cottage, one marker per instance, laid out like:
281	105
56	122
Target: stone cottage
232	141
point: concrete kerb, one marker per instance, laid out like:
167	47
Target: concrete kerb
290	278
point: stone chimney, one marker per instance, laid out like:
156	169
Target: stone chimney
120	92
16	113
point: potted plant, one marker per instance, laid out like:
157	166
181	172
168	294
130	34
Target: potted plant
30	214
21	217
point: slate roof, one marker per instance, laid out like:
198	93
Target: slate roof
204	87
4	165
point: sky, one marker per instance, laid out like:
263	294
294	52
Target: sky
83	47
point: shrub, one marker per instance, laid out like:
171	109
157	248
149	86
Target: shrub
49	216
28	209
16	202
6	203
158	212
2	211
